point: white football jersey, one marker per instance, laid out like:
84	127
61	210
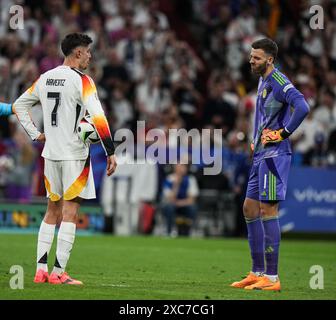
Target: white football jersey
65	95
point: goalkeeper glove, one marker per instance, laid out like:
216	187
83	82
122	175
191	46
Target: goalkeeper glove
273	136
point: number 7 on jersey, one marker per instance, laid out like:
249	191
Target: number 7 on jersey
57	97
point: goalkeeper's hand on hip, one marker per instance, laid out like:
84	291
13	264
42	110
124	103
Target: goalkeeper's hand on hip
269	136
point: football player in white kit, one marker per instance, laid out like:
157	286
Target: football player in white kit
65	94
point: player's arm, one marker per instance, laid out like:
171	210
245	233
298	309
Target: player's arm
256	124
93	106
255	129
301	108
289	94
21	106
6	109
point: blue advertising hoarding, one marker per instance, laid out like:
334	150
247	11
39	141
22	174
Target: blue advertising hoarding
310	203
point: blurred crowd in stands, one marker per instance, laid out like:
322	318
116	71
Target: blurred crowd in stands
175	64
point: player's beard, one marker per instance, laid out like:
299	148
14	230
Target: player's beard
259	70
84	65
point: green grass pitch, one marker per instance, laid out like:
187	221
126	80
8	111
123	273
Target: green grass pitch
160	268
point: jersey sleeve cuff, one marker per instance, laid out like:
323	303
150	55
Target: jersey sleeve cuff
34	138
285	133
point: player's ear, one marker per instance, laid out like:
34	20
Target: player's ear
77	53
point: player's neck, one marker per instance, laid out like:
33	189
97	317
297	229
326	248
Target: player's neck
268	71
72	63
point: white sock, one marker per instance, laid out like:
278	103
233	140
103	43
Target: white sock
44	243
258	274
65	240
273	278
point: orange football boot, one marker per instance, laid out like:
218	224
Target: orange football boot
63	278
249	280
41	276
265	283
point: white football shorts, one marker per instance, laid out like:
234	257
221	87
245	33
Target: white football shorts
69	179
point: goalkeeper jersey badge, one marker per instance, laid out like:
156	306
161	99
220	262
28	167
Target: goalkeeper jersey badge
264	93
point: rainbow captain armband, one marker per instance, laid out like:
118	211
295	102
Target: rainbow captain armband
5	109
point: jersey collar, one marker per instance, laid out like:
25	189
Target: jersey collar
270	75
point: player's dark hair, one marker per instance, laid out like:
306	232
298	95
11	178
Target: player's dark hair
74	40
268	45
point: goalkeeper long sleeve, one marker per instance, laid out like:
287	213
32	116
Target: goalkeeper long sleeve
293	97
301	109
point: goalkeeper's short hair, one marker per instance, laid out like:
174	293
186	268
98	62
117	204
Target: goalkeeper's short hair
268	45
